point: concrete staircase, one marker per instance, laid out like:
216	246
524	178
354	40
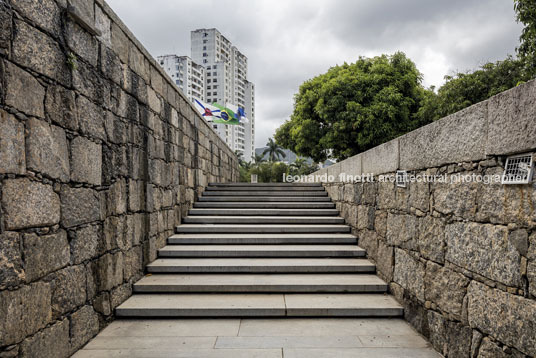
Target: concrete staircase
261	250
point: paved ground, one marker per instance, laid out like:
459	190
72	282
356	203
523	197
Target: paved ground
259	338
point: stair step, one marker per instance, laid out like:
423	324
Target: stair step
260	265
264	212
258	283
263	220
259	239
265	205
261	251
236	228
292	185
265	193
245	305
266	198
264	188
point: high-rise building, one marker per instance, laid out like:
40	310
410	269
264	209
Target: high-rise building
226	83
187	75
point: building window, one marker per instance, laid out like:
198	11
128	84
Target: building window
205	54
205	41
214	73
204	47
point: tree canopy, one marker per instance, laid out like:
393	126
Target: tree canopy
354	107
526	14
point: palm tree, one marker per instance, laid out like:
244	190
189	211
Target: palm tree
274	150
299	163
259	158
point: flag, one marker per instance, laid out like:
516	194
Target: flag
217	113
207	111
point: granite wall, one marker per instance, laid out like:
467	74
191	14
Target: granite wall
100	156
461	256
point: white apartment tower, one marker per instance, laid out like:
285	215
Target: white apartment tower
226	82
187	75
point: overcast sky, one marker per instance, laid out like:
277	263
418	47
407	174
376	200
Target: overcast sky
290	41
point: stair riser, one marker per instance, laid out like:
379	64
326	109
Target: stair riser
265	193
264	212
259	230
265	205
264	188
260	289
260	241
260	269
262	220
254	185
259	312
266	198
190	254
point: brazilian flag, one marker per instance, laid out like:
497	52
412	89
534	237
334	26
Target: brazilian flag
226	116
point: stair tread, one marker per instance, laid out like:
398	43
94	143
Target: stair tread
275	304
262	248
260	279
261	211
250	262
269	235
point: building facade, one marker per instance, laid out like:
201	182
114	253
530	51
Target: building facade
226	83
189	76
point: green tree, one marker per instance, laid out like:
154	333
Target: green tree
274	151
354	107
465	89
526	14
301	167
259	158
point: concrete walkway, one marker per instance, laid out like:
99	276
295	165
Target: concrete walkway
259	338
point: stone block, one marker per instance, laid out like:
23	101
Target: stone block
88	81
45	254
368	240
85	243
512	128
380	222
85	9
12	153
402	230
385	261
84	326
531	276
504	204
136	195
445	288
369	194
60	107
419	196
29	204
431	241
109	271
120	295
23	92
450	338
351	166
365	217
52	342
104	25
5	28
81	42
79	206
91	118
409	273
120	43
489	349
153	100
115	234
137	62
133	263
47	151
386	195
101	303
68	289
458	199
11	268
116	199
51	62
459	137
45	14
86	161
505	317
24	311
381	159
484	249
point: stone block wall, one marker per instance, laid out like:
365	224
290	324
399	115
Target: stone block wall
461	257
100	157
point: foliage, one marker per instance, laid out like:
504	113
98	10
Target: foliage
526	14
465	89
273	171
274	150
301	167
354	107
268	172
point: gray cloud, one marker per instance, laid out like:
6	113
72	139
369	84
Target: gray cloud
288	42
